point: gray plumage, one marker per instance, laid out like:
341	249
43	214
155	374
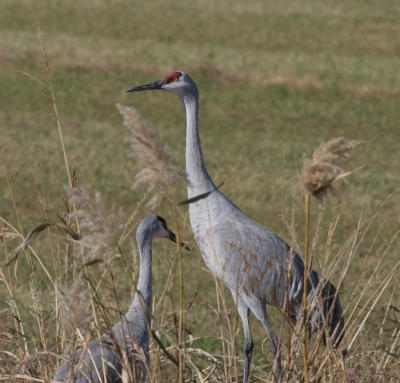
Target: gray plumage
255	264
123	351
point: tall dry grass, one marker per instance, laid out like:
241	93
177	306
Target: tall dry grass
72	298
319	175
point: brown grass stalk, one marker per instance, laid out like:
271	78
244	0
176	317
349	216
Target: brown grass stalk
49	84
305	317
181	292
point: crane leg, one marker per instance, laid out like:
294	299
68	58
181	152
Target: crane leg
260	311
244	311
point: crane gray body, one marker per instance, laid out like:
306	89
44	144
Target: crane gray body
244	254
103	359
254	263
126	346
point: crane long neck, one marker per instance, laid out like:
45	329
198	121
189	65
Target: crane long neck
141	304
199	179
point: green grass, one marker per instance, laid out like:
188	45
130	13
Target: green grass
276	78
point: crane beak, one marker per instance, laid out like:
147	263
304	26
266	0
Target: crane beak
151	85
172	237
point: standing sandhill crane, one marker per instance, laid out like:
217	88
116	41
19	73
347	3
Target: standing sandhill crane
256	265
108	358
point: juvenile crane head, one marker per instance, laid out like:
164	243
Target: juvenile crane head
177	82
157	226
327	311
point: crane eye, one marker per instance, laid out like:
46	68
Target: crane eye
163	222
172	77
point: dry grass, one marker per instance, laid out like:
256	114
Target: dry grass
100	226
74	307
76	314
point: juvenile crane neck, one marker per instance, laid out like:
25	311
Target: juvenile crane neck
141	304
199	179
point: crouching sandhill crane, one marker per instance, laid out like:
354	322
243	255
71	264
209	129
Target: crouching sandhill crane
255	264
122	354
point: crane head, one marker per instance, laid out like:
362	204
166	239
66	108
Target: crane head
177	82
326	311
156	226
167	233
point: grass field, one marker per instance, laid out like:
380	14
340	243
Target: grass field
277	79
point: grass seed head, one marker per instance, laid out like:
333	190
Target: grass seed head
100	226
157	172
320	172
75	311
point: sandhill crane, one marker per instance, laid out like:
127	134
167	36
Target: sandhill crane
256	265
126	346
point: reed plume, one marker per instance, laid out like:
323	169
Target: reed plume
320	172
100	226
146	145
74	308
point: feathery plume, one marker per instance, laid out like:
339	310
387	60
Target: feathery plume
74	310
7	234
100	226
323	170
146	145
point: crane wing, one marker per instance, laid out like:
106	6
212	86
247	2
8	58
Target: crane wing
249	257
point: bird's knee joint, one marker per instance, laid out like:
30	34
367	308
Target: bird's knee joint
248	346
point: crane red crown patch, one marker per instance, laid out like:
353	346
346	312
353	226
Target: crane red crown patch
173	76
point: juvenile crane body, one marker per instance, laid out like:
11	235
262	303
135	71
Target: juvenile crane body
123	351
253	262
